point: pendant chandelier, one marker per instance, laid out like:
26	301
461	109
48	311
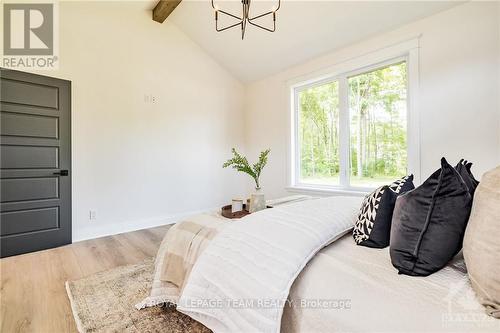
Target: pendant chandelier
245	18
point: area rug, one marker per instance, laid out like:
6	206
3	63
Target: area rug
104	302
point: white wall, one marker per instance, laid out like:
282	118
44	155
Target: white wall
459	87
137	164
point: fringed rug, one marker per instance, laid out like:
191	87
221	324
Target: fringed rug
104	302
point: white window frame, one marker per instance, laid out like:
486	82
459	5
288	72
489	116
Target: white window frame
406	51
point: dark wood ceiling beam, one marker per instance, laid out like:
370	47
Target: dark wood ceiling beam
163	9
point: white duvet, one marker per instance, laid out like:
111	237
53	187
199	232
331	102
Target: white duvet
241	281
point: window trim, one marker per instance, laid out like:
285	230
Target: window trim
406	51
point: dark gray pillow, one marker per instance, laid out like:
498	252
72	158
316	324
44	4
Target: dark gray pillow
464	169
373	225
428	223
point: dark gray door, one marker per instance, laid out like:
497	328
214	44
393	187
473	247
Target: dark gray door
35	162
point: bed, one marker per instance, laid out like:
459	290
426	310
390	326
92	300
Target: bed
344	288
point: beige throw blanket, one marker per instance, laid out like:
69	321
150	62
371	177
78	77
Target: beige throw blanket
181	246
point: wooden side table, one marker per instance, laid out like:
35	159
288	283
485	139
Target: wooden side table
226	212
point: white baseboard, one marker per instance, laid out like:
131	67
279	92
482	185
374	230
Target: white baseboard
100	230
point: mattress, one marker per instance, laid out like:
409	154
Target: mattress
350	288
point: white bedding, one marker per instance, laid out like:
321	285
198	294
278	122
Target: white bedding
242	280
381	300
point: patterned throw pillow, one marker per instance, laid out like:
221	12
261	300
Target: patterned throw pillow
373	226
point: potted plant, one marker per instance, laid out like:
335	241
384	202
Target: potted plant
240	163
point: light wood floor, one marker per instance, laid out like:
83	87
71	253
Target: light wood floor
33	295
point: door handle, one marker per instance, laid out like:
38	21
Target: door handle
61	173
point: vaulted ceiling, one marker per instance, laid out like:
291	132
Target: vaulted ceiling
305	29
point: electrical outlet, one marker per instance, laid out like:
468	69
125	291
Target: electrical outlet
150	99
92	215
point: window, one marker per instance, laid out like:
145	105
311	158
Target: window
351	130
318	121
378	127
